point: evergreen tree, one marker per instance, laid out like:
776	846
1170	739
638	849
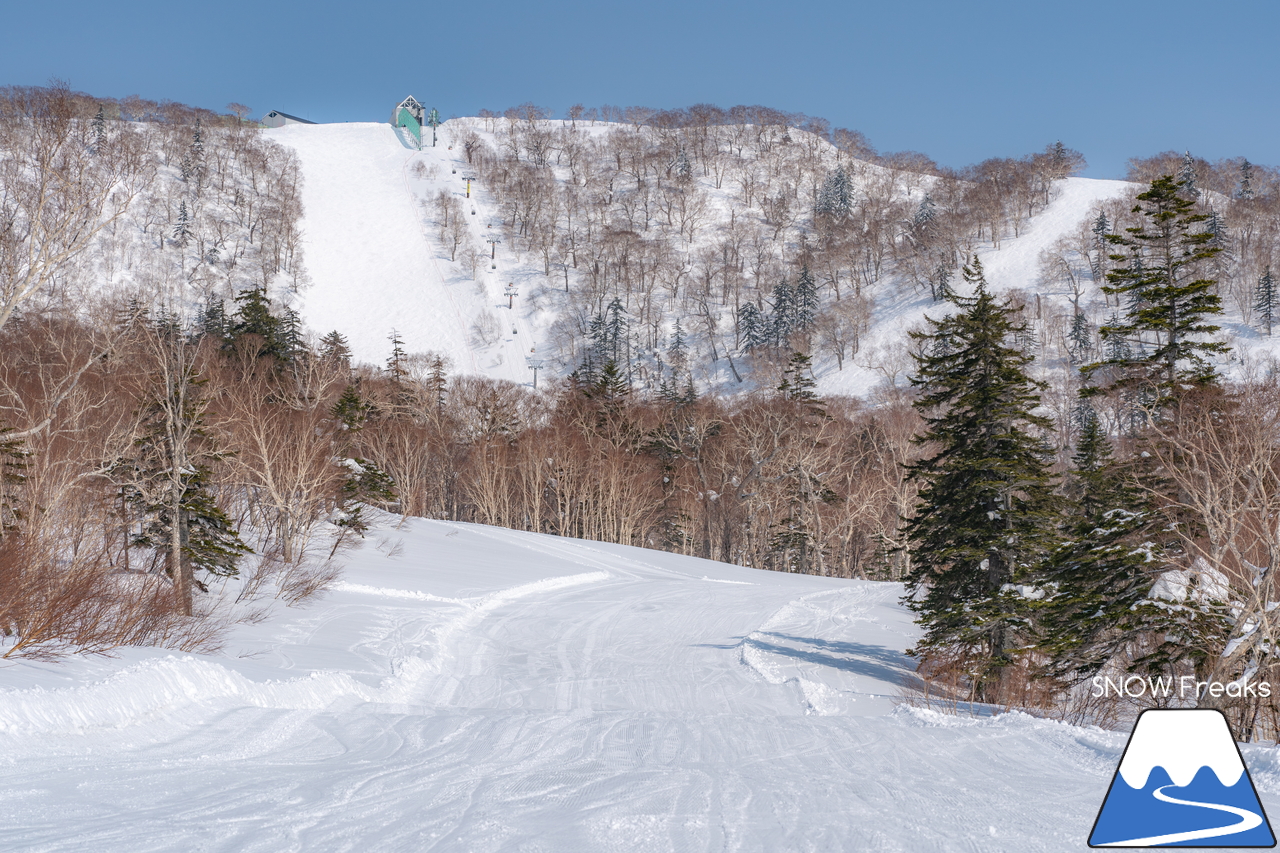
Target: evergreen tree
195	158
752	332
1115	348
397	362
926	212
1245	191
100	129
673	388
1219	234
609	388
1265	300
835	199
940	284
365	482
166	478
335	350
798	384
1168	304
182	230
1079	339
1097	578
985	507
678	352
197	144
437	383
617	331
783	321
1187	176
293	347
1098	257
1101	228
682	168
608	341
213	322
254	318
1059	160
350	410
806	302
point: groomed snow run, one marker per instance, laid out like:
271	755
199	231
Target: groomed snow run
466	688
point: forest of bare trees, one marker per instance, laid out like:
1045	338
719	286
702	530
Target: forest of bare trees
692	214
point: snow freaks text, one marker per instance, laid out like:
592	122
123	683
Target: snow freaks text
1136	686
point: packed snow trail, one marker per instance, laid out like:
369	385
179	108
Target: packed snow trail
476	689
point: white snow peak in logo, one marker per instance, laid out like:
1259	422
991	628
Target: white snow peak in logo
1181	783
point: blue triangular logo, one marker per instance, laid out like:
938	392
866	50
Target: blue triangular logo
1182	783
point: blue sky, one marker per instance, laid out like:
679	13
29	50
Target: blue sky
959	81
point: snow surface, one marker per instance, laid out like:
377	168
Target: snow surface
375	261
467	688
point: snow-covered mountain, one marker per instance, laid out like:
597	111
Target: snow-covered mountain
376	261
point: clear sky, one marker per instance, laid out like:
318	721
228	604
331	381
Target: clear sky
959	81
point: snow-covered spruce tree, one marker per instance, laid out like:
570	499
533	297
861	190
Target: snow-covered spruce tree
835	199
926	212
1187	176
1098	254
1168	302
1079	339
1265	300
100	130
753	331
1245	190
182	229
365	482
985	512
783	321
677	387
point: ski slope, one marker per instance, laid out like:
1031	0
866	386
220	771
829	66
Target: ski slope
476	689
375	260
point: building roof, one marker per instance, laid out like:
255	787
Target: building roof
289	117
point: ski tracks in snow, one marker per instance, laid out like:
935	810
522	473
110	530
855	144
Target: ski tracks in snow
602	705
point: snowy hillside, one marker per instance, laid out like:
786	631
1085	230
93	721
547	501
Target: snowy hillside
476	689
376	265
376	260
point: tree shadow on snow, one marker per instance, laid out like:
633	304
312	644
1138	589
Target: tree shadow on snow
879	662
